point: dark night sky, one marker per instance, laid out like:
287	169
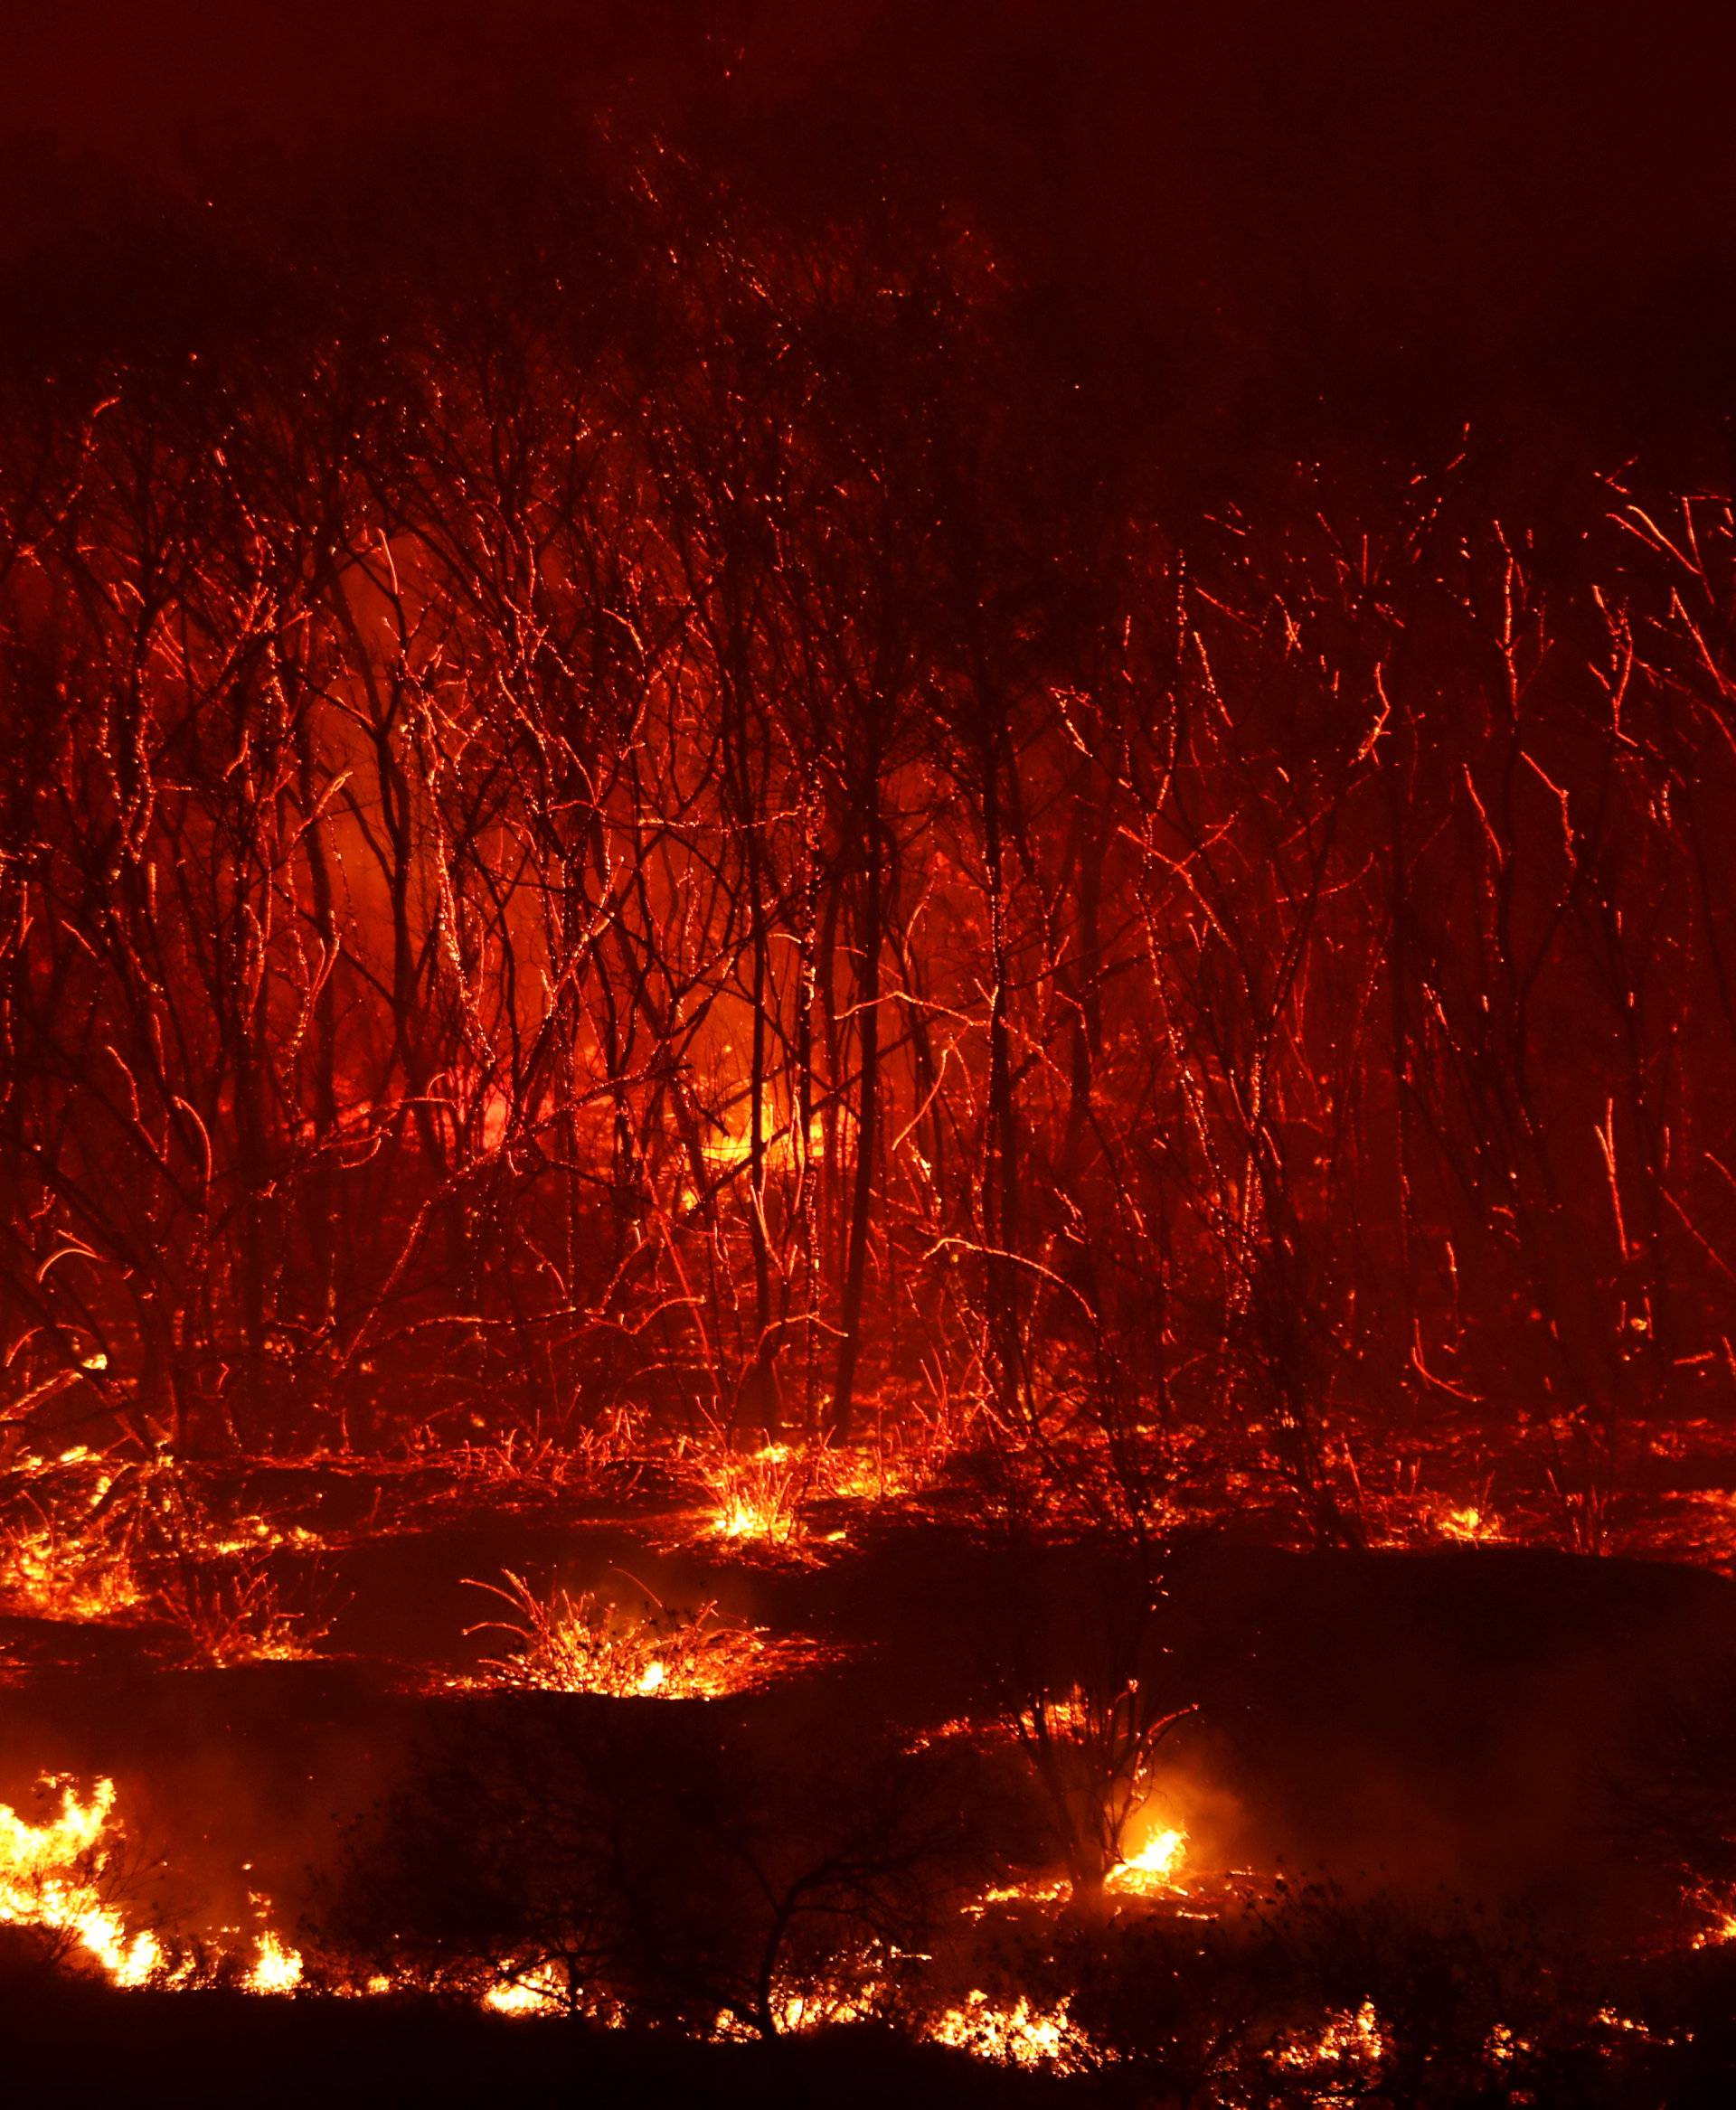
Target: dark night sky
1473	181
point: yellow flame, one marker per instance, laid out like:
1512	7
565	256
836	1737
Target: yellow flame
1154	1867
1352	2037
50	1876
756	1497
1470	1525
1019	2035
276	1969
541	1988
515	2000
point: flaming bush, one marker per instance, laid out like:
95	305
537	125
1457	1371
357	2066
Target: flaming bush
58	1878
1091	1749
1019	2034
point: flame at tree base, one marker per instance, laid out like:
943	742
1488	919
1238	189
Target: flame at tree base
1153	1868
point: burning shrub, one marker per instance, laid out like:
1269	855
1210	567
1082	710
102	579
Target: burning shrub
232	1609
1015	2035
1088	1692
1091	1752
58	1878
632	1860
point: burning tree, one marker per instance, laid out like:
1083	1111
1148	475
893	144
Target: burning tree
700	842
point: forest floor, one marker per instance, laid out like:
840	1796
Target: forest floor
1443	1718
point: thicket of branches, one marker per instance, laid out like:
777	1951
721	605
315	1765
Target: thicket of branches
689	835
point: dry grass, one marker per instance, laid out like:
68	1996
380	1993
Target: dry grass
609	1452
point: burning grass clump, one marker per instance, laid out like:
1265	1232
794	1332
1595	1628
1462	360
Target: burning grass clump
755	1498
1470	1523
90	1541
765	1501
51	1570
231	1609
516	1469
590	1644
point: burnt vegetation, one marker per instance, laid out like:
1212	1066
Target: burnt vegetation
690	901
695	837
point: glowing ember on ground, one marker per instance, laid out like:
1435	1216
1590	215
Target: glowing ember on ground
254	1534
1035	1891
1347	2054
1469	1526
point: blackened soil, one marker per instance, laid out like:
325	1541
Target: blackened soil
83	2046
1474	1719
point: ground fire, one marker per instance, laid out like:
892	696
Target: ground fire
868	1057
